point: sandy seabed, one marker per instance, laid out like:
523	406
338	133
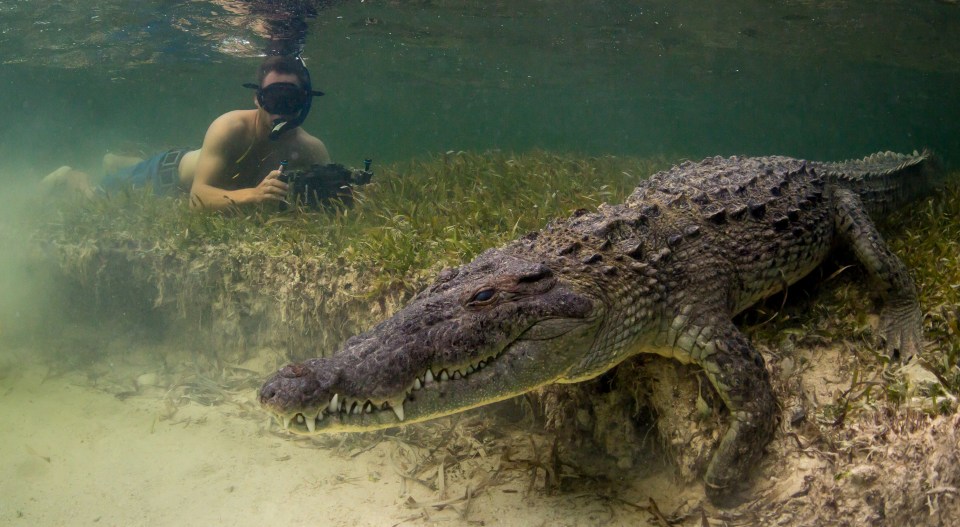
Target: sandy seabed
121	440
74	452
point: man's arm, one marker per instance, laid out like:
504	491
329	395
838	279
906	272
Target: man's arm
214	164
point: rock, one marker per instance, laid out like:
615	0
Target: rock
147	380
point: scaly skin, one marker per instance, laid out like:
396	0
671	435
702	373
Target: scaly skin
663	273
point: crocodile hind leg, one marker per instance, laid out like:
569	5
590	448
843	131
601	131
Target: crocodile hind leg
901	322
737	372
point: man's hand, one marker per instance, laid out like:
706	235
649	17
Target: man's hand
271	188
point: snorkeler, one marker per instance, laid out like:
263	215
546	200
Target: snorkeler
241	152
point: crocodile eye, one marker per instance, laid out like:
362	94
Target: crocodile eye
483	295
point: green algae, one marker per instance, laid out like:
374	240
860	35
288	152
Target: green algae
306	280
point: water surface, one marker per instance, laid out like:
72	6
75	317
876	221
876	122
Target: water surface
810	79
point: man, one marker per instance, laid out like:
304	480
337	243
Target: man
240	159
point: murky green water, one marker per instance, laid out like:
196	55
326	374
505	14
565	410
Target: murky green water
810	79
822	80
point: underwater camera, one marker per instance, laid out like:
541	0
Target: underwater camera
320	185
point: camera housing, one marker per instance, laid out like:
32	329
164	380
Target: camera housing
320	185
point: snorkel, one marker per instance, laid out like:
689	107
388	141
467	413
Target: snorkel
306	92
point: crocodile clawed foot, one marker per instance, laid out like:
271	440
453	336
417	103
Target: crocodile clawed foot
901	331
726	495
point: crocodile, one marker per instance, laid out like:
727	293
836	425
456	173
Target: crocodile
664	273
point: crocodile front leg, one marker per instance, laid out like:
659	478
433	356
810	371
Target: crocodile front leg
737	372
901	322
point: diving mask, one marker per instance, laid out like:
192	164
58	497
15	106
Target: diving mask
282	98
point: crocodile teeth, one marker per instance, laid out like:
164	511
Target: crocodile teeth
428	378
397	406
444	376
416	384
334	405
457	375
311	425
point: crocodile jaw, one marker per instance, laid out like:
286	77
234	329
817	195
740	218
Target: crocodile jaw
524	365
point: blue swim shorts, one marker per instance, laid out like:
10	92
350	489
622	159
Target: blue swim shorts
162	171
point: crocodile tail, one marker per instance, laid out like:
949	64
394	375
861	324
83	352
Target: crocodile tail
886	180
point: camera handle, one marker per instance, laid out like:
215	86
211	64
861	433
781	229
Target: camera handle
282	177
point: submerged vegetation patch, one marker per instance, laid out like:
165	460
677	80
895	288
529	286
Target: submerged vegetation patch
305	279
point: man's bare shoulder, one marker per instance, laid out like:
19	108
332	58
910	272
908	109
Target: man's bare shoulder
304	137
312	147
236	121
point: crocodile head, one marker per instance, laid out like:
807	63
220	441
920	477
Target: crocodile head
495	328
